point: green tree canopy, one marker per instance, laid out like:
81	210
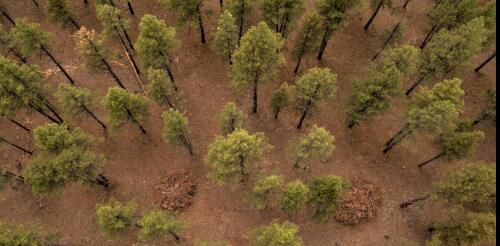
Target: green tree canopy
111	20
240	9
158	223
21	235
256	59
123	106
281	98
309	38
314	87
29	37
189	11
225	39
231	118
318	143
160	87
295	196
280	13
325	193
59	11
115	216
462	143
276	234
265	189
174	129
232	155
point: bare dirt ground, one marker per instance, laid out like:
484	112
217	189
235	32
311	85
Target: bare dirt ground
223	213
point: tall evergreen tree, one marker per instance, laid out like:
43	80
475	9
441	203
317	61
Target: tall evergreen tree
7	47
391	37
376	6
22	235
174	129
280	13
115	216
189	11
225	37
96	57
158	223
433	111
256	59
325	194
123	106
233	154
155	44
160	87
59	11
231	118
490	112
295	196
318	143
314	87
309	38
276	234
281	98
240	9
30	38
265	190
334	13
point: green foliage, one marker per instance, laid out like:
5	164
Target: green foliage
397	32
157	223
317	143
160	87
281	98
295	196
73	99
275	234
231	155
115	216
461	143
314	87
189	11
309	36
54	138
491	110
209	243
29	37
463	227
265	189
231	118
488	11
452	13
20	236
370	93
280	13
155	43
240	9
123	106
111	20
325	193
59	11
436	111
259	55
404	58
225	39
174	126
474	185
334	11
451	49
434	241
92	49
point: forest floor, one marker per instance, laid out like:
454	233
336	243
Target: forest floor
224	213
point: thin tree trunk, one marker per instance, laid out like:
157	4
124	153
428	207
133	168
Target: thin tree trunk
221	4
50	107
87	110
11	175
411	202
171	76
414	86
486	62
255	95
4	13
102	181
277	112
113	74
386	42
74	23
169	102
134	64
352	125
35	2
200	23
85	2
437	157
17	124
374	15
14	52
397	134
137	123
324	42
242	167
44	114
58	65
130	8
428	37
240	33
406	4
177	238
296	70
15	146
304	114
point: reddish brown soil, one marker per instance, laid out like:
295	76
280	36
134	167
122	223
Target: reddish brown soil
223	212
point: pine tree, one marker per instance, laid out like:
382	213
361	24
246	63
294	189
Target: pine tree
96	57
295	196
225	37
240	9
74	100
63	157
123	106
233	154
449	50
115	216
174	129
488	11
325	193
265	190
256	59
189	12
158	223
490	112
391	37
276	234
30	38
281	98
309	38
155	44
59	11
460	144
376	6
435	111
314	87
318	143
231	118
7	47
21	86
160	87
280	13
21	235
334	13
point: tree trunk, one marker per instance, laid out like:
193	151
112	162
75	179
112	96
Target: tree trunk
11	175
352	125
437	157
171	76
221	4
374	15
102	181
304	114
324	42
130	8
429	36
386	42
296	70
486	62
85	2
17	124
277	112
187	142
50	107
411	202
74	23
113	74
44	114
131	117
15	146
397	139
35	2
242	167
169	102
177	238
242	23
418	82
200	23
14	52
87	110
4	13
255	95
406	4
397	135
134	64
58	65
